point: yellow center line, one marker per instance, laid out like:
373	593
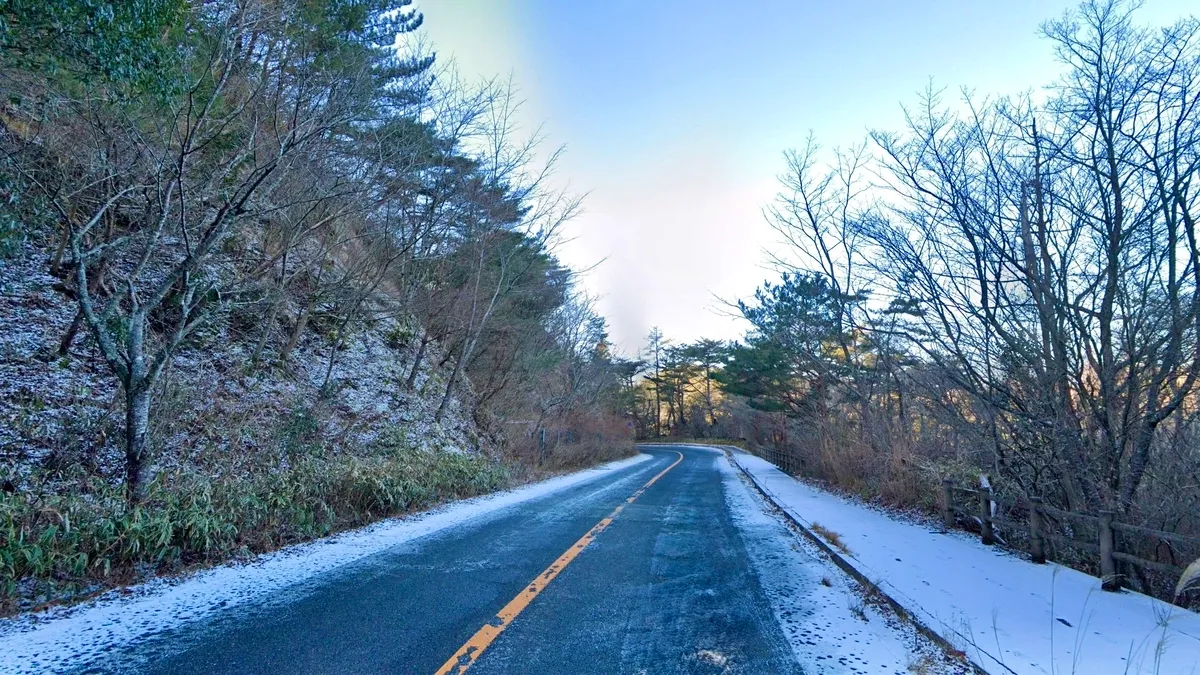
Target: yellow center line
472	649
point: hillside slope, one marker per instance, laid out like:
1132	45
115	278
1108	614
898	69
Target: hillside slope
247	459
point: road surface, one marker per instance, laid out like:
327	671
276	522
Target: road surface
668	566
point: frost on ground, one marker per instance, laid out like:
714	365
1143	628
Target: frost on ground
211	405
70	637
1008	614
831	626
214	415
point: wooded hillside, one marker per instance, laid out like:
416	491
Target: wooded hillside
268	269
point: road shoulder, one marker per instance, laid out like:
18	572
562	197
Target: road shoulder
1005	613
59	637
834	626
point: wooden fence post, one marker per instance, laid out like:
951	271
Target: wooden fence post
1109	579
948	503
1037	547
985	516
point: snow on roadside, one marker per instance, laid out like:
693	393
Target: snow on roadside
63	637
1009	615
829	626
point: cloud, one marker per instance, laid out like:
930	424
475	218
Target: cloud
673	233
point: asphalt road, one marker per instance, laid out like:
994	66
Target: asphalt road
667	587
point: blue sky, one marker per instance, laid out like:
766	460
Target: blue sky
675	116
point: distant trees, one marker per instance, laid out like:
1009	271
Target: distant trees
675	395
655	346
707	356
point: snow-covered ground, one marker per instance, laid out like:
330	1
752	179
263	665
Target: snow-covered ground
823	614
1009	615
52	640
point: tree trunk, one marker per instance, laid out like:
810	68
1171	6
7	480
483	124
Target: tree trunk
333	350
96	283
64	345
437	417
298	330
267	329
657	405
137	422
458	364
416	364
712	415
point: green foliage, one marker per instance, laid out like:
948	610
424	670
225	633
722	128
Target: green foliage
22	212
62	543
791	350
759	372
299	431
11	234
398	336
800	314
122	42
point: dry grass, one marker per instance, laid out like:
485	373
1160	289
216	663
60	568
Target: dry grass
573	456
868	457
1189	580
858	608
834	539
735	442
925	665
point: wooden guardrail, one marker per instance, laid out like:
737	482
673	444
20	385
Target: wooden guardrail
1044	525
783	460
1037	526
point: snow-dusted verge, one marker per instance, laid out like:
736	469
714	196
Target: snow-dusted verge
63	637
1009	615
829	626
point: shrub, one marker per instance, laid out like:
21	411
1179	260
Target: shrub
56	545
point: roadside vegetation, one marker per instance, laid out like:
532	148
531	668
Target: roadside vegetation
1004	292
269	270
832	537
70	542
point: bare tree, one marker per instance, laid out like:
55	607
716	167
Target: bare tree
1048	253
194	180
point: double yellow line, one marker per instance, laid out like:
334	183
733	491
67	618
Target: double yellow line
473	648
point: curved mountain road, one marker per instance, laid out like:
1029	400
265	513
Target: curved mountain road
692	574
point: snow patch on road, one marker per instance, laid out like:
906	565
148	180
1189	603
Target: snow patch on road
830	627
67	637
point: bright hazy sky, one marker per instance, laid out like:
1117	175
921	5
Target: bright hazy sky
675	115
